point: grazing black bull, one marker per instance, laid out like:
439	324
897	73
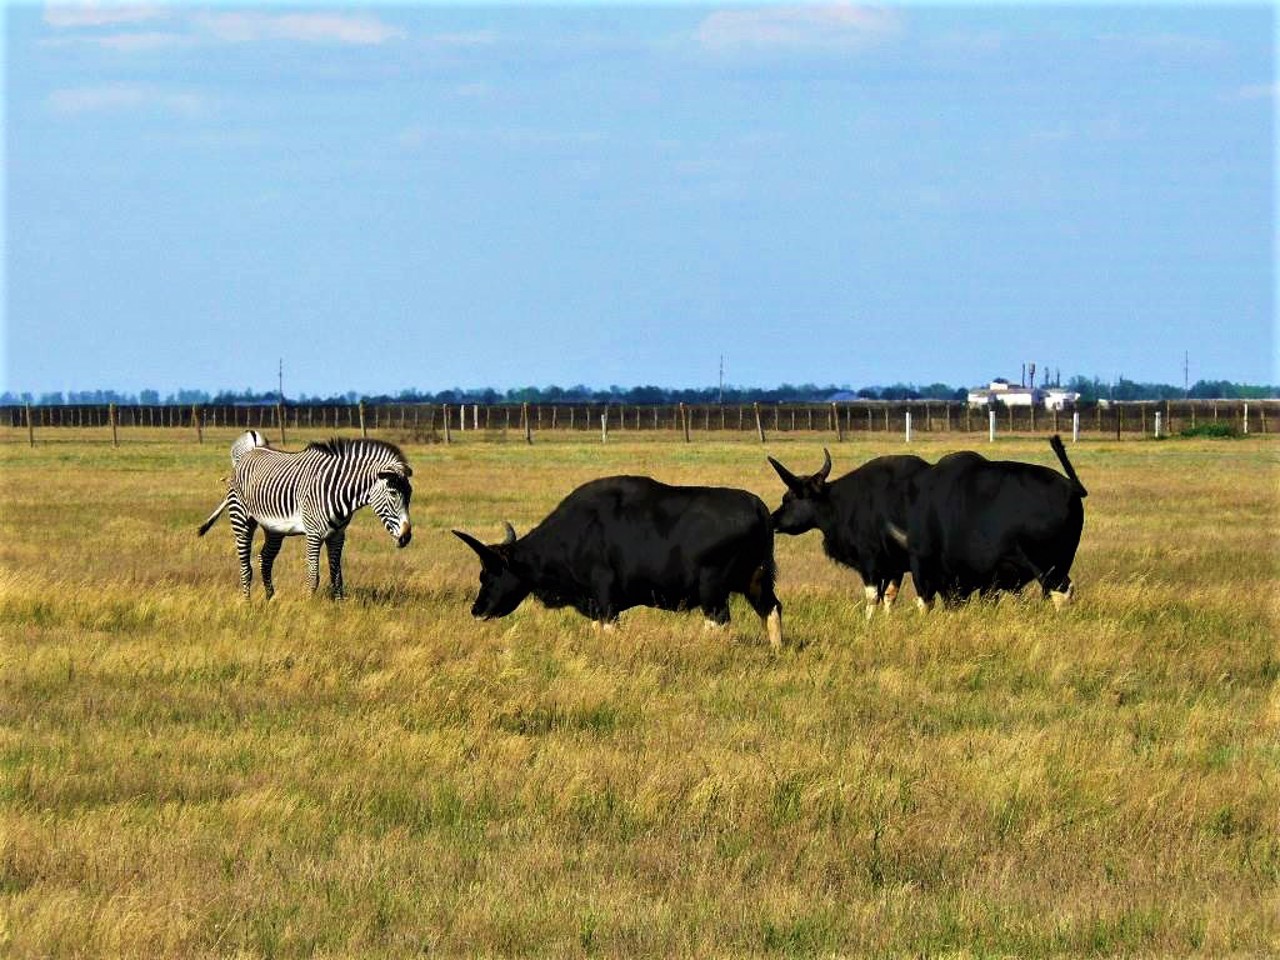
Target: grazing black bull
622	542
857	514
979	525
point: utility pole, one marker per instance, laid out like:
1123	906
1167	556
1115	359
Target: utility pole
721	401
280	380
1186	373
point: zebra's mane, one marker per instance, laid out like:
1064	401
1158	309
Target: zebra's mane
345	446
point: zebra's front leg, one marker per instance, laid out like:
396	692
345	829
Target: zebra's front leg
313	561
243	528
334	546
270	547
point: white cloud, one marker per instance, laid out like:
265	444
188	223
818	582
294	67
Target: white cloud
1257	91
95	14
117	98
841	26
135	42
358	29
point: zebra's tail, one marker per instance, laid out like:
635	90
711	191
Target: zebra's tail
213	518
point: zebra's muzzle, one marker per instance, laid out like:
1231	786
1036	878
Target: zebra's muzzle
406	534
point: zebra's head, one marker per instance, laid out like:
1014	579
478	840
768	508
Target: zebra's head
389	497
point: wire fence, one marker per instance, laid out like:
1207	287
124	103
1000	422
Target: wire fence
451	423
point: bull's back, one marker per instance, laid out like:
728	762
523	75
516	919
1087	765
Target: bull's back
648	529
971	511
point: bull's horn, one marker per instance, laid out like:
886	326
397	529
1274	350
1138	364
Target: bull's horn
826	464
489	558
510	533
790	479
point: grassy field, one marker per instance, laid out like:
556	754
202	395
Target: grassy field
185	775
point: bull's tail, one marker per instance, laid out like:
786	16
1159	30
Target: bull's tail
213	518
1056	442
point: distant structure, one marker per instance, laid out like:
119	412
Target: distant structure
1001	391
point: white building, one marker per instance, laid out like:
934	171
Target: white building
1055	398
1003	392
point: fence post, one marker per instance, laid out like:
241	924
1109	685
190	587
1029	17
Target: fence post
759	422
280	423
444	415
604	426
195	418
363	430
528	426
31	429
111	415
991	425
908	431
1075	426
1246	419
1157	424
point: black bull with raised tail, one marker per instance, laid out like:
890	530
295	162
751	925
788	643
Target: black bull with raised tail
985	526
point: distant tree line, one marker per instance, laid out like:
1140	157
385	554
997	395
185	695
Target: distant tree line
1090	390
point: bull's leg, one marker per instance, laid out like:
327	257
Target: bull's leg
713	598
765	603
313	561
243	526
604	608
872	594
926	586
889	593
773	627
270	547
334	546
1063	595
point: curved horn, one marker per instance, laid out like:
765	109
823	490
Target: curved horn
826	465
510	533
489	558
790	479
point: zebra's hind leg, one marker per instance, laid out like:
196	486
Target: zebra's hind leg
270	547
334	546
243	527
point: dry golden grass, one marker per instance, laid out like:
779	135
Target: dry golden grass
185	775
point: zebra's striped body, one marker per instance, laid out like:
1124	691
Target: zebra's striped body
312	493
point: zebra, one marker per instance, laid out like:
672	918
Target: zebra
311	493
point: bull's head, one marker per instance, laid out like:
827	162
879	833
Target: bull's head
389	497
501	588
805	499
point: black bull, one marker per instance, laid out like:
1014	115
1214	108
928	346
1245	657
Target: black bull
967	524
979	525
622	542
857	515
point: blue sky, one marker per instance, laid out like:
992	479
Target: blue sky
427	196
